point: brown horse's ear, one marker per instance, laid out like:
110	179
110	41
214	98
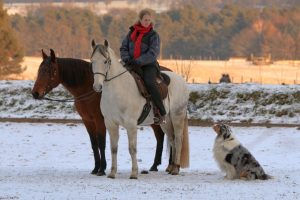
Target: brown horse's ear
52	54
106	43
93	44
44	56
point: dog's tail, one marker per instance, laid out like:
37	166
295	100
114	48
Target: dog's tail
265	177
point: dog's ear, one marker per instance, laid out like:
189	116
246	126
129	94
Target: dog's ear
225	131
226	135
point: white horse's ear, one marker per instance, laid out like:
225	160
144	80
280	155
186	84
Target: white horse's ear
44	56
52	54
106	43
93	44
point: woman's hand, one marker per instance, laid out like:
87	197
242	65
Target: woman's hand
132	62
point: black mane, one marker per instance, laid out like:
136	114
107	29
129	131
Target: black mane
74	72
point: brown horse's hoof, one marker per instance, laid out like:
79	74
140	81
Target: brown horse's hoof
95	171
144	172
111	176
101	173
153	169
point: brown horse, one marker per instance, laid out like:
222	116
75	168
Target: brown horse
77	77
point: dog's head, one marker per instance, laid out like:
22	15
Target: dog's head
222	130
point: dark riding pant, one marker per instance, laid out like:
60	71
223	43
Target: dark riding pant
149	73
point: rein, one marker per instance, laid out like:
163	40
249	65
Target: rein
115	76
79	98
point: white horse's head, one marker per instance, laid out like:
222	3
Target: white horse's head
101	62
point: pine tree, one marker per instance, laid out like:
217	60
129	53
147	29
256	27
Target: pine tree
11	53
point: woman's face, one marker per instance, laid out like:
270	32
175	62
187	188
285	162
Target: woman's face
146	20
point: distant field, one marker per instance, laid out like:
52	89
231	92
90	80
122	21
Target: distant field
199	71
287	72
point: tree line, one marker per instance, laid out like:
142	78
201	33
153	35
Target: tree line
188	32
11	52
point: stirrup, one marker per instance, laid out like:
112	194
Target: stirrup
159	120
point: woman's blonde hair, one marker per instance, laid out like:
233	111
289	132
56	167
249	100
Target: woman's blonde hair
144	12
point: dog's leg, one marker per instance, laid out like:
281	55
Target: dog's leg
230	172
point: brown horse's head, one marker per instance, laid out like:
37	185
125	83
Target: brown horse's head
48	77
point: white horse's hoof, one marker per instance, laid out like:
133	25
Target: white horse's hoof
169	168
111	176
175	170
175	173
133	177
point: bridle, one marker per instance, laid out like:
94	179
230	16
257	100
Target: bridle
107	62
49	87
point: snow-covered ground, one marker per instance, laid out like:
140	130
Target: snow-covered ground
53	161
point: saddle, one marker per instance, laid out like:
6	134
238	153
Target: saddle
162	81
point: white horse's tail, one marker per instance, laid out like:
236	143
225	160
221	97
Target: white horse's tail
185	150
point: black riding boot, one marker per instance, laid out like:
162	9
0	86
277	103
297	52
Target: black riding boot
149	75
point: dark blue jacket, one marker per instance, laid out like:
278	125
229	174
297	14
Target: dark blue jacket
150	48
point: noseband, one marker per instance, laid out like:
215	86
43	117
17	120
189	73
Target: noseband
107	62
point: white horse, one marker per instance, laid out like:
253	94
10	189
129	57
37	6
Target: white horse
122	104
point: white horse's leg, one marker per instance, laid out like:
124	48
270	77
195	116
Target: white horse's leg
169	131
178	124
132	141
114	139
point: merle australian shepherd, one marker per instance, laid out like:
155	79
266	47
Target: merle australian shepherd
234	159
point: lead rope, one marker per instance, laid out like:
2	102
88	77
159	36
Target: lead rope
79	98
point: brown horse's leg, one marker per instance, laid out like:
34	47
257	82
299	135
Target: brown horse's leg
94	144
102	145
93	137
159	135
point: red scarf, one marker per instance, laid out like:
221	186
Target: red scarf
138	28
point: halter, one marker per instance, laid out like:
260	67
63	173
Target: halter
53	72
107	62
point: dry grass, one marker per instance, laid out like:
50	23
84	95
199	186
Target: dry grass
240	71
196	71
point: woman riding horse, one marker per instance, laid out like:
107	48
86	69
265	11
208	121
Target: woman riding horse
139	51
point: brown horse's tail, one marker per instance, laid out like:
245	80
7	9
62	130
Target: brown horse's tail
185	150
